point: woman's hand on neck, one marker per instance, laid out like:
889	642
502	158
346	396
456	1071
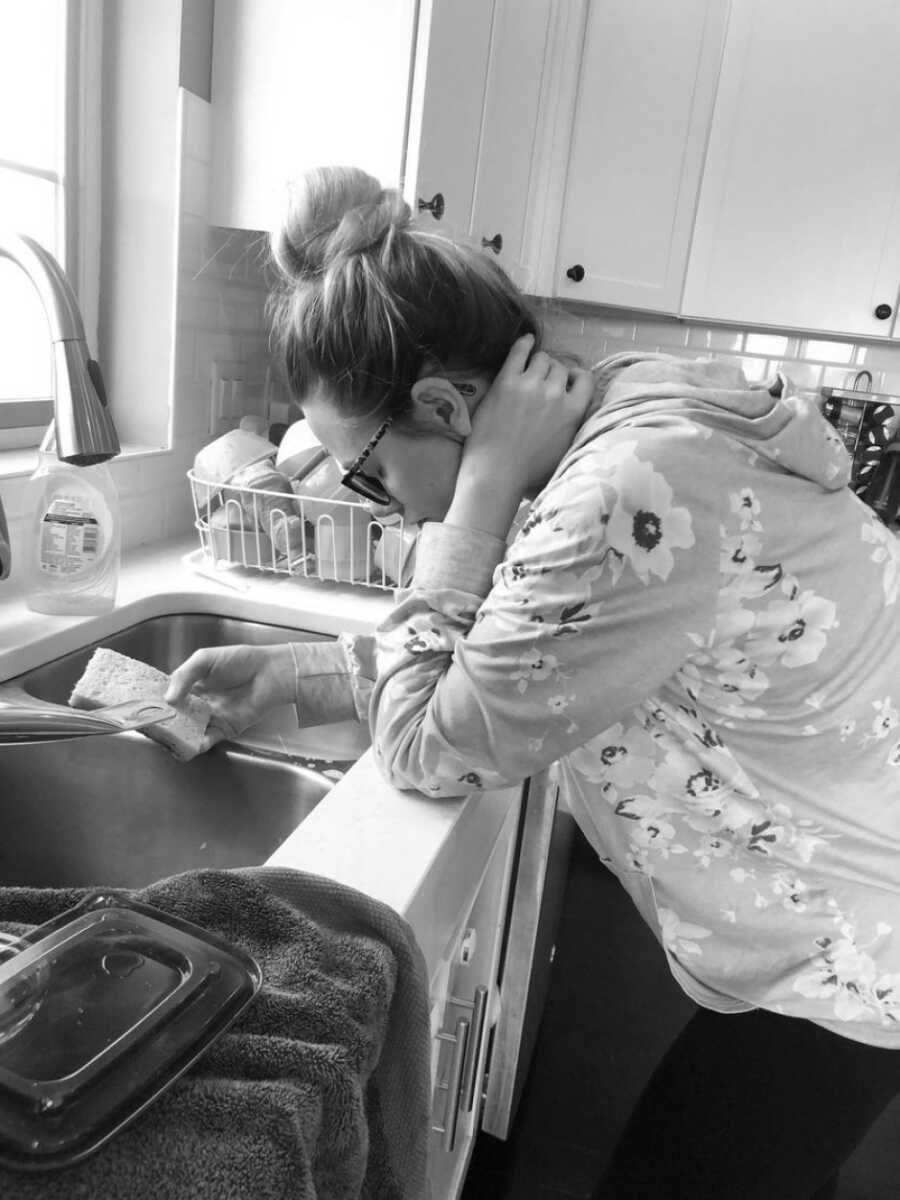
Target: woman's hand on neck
520	432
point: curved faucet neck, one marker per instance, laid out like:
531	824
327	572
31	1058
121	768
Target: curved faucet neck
84	430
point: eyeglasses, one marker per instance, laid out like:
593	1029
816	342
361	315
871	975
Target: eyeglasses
364	485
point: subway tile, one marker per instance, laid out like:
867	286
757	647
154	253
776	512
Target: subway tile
772	345
699	338
214	346
198	306
804	376
564	323
826	351
237	316
622	331
613	345
660	333
755	369
881	357
703	337
838	377
192	245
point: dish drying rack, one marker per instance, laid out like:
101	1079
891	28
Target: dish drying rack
335	541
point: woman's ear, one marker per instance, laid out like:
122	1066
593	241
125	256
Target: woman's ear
436	402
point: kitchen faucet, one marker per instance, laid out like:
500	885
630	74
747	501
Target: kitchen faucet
82	431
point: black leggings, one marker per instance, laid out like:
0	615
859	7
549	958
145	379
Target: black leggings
752	1106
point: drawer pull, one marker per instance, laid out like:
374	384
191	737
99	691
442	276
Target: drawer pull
479	1012
453	1086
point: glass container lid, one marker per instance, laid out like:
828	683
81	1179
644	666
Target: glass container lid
101	1009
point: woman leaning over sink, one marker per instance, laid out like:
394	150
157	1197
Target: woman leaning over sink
697	623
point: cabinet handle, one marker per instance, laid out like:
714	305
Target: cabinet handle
453	1086
435	206
883	311
576	273
479	1013
495	243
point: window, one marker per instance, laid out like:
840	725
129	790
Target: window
41	182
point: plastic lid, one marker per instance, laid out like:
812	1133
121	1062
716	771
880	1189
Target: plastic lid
101	1010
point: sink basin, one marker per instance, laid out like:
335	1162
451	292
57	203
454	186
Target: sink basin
121	811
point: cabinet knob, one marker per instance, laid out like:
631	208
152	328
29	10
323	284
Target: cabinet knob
495	243
435	206
576	273
883	311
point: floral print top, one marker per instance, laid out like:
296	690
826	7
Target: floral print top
698	626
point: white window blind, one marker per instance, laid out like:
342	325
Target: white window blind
36	73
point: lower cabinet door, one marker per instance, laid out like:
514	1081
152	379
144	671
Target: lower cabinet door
464	1011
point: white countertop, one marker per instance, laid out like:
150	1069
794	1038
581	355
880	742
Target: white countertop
419	855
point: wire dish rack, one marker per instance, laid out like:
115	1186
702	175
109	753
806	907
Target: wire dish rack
337	541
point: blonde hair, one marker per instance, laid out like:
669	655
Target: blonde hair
364	300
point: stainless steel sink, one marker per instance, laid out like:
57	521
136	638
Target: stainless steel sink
121	811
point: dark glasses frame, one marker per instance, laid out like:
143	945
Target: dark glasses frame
358	481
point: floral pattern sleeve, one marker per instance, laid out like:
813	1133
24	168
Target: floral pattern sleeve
602	596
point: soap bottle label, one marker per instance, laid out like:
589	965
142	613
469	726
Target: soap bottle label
70	536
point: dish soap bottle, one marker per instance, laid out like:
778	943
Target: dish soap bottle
73	547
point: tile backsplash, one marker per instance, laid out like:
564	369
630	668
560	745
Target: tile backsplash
811	362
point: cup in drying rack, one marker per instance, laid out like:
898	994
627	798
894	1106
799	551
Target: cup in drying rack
267	500
342	525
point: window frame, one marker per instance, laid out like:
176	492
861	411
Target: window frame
24	421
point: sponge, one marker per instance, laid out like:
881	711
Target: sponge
113	678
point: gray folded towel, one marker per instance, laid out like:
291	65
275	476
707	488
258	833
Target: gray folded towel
319	1091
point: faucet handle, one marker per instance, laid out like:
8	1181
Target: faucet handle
55	722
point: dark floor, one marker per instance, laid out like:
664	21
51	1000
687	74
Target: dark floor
612	1011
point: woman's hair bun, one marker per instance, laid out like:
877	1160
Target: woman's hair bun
334	213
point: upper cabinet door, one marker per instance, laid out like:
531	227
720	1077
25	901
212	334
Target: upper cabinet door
798	223
642	113
504	178
304	83
449	81
476	98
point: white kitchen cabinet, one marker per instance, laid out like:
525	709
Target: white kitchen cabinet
298	84
798	222
642	109
477	96
446	105
489	990
440	97
465	1006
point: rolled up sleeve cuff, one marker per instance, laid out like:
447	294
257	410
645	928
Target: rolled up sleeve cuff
324	691
449	556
